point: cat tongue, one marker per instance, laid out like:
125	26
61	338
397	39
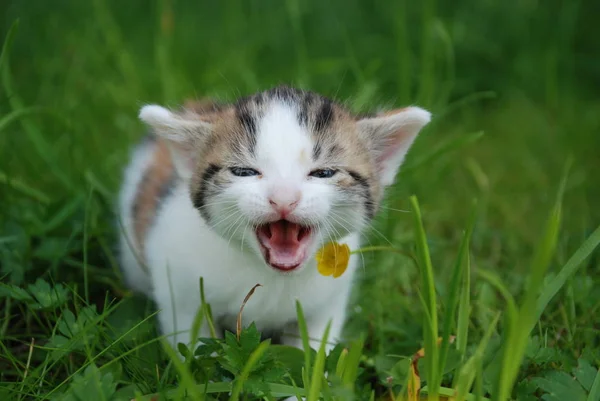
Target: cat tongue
284	233
285	244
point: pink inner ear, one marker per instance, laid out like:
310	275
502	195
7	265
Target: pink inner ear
183	155
392	136
393	146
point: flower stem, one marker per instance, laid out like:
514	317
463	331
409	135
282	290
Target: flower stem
382	248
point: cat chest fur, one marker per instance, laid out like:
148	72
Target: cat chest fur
229	273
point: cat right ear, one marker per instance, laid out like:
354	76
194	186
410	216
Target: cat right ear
182	133
392	135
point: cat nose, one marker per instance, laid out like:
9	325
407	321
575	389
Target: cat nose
284	201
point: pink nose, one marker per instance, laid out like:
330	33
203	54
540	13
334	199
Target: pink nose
284	202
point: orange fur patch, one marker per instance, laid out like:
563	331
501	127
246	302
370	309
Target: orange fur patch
147	199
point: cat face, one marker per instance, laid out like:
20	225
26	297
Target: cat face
285	171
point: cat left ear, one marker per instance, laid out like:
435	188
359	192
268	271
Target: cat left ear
172	126
183	133
391	135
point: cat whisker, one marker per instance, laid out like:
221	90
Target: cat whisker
352	204
236	228
223	220
244	235
231	203
344	223
362	256
370	226
234	224
393	209
327	231
336	215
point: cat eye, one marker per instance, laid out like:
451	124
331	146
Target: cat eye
323	173
243	171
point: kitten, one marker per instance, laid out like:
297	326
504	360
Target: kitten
246	193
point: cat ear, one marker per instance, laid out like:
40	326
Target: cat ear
182	133
391	135
175	127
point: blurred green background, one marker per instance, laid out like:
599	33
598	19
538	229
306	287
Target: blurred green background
525	73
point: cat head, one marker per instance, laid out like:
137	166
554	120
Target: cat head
285	171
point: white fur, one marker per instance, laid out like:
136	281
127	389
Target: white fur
190	249
181	247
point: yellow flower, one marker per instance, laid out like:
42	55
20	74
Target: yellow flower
333	259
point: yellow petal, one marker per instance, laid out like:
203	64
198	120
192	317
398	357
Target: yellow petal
323	266
332	259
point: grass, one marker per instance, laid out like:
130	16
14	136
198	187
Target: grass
509	283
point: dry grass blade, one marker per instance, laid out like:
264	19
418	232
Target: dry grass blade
238	324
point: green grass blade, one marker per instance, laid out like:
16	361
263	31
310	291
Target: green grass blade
111	32
187	380
568	270
464	310
207	310
319	369
454	106
24	188
510	315
403	53
196	326
16	114
163	50
446	147
479	383
430	329
455	284
86	229
303	329
294	13
62	216
341	363
450	393
209	388
469	370
428	60
352	362
8	40
35	134
284	390
517	335
594	394
98	186
277	390
511	308
445	39
252	361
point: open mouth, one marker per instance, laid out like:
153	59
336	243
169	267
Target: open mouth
284	244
